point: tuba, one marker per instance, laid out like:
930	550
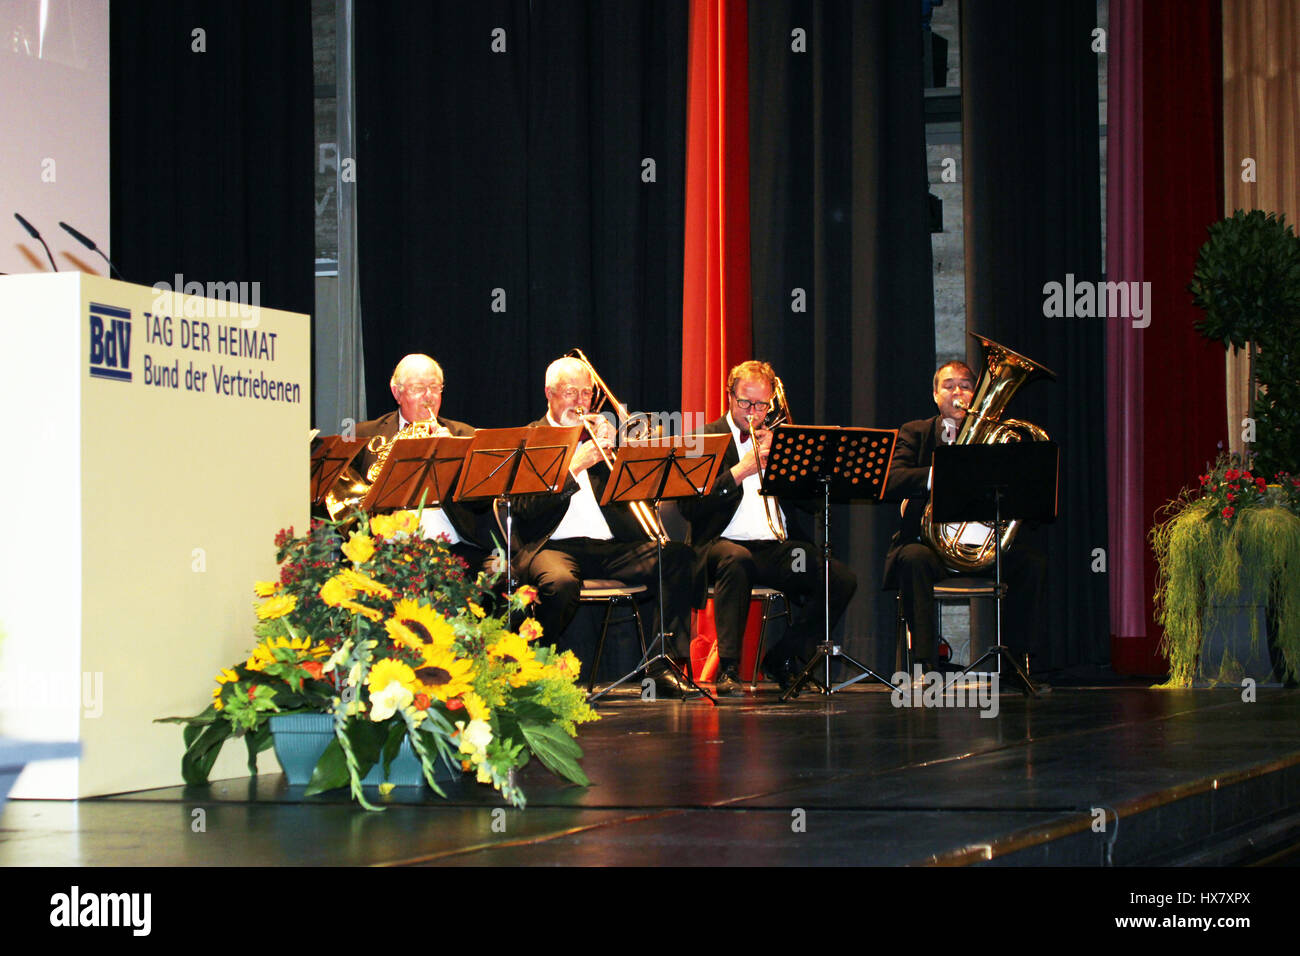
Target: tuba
630	428
1005	372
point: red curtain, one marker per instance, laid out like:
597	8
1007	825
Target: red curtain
1180	396
715	296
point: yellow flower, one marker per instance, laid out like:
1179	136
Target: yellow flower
415	625
530	629
266	588
388	670
227	676
388	701
366	585
339	591
443	675
513	649
388	526
476	610
278	606
475	706
359	549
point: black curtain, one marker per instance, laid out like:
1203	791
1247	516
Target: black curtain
838	208
212	151
1033	215
504	215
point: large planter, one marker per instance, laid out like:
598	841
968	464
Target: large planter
300	739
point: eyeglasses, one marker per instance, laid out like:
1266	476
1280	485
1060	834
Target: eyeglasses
745	404
418	390
570	393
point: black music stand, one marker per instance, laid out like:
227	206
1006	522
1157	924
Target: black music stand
330	456
656	470
837	464
505	463
1014	481
419	473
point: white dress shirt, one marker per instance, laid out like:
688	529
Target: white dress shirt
749	523
583	519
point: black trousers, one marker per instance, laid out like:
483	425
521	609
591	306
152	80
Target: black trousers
794	567
557	571
1023	570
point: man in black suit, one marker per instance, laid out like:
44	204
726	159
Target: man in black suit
912	565
417	386
563	538
743	539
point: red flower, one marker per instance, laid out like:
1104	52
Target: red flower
1229	511
1261	484
455	704
1231	496
421	701
314	668
1231	474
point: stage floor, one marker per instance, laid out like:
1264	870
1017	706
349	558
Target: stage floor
1081	776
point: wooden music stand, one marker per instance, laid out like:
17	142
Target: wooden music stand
329	457
504	463
419	472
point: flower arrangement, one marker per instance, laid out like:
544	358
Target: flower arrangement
384	631
1236	534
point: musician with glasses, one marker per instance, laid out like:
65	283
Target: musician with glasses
564	538
913	567
417	386
743	540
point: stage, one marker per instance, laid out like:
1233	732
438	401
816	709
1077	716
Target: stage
1120	775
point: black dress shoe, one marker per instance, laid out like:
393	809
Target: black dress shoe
727	683
666	682
782	670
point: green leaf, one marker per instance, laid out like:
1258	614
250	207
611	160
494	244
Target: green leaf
257	741
331	770
367	740
202	753
557	751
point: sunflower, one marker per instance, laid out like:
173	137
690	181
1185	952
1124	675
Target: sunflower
359	549
277	606
514	649
443	675
227	676
266	588
414	625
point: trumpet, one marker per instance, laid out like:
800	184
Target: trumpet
630	428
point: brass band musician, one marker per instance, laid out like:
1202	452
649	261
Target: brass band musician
742	540
417	385
912	565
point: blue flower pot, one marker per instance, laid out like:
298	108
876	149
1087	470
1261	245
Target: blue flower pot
300	739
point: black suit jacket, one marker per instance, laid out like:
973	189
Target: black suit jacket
470	521
909	477
537	516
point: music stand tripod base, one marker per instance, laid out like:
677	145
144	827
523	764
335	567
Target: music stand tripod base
825	652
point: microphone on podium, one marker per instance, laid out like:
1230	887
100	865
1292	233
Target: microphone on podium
31	231
90	244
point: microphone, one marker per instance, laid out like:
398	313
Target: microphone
31	231
89	244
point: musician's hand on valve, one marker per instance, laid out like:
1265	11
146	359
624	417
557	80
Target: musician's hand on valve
589	453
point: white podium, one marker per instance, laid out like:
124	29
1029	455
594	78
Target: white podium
155	444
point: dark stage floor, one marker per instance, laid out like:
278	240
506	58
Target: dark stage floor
1174	776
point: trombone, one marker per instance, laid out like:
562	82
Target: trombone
630	428
777	414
